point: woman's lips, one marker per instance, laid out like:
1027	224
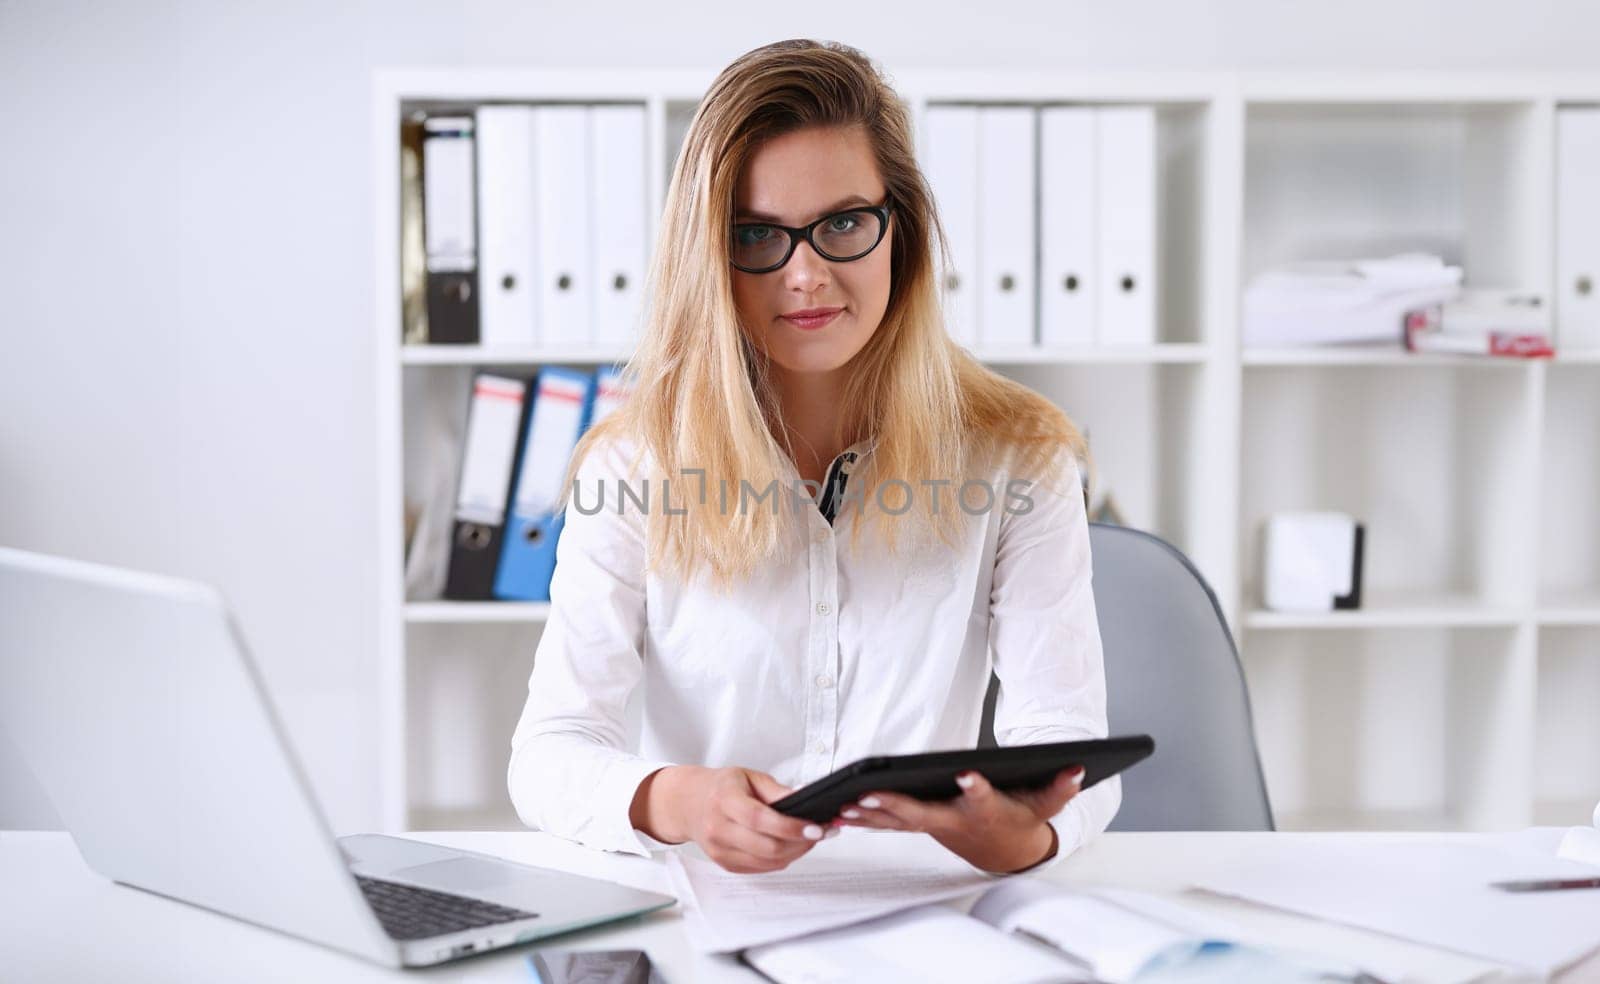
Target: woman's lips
812	322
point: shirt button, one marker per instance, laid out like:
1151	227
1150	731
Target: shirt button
820	536
822	608
822	748
824	681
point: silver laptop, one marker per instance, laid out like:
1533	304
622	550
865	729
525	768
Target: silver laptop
136	704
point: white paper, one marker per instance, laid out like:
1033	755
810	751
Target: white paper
1114	931
1581	844
844	880
1323	302
1106	937
933	944
1437	894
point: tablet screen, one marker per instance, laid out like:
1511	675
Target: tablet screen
932	775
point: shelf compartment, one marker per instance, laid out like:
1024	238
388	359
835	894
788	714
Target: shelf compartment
466	686
1569	538
1143	436
1467	181
1431	461
1567	762
435	406
1365	729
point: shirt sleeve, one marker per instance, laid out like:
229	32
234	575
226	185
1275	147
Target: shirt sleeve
570	773
1045	640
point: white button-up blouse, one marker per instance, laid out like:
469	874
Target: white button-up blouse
805	667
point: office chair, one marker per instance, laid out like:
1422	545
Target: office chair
1171	672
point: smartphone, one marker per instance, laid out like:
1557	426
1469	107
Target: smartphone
593	967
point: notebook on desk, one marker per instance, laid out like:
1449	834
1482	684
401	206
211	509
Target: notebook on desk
1028	930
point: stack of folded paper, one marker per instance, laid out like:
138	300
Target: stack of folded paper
1340	301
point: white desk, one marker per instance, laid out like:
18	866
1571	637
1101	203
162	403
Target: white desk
59	921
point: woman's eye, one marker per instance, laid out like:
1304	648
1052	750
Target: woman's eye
754	235
842	223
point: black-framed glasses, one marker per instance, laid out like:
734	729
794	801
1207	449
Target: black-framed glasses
761	247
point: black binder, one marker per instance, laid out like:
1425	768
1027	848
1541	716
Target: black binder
453	308
449	228
496	421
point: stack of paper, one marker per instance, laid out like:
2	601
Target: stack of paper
931	944
1364	300
846	880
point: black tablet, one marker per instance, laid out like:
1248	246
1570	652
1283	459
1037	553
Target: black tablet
932	775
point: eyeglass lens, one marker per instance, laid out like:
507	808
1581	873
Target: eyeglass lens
841	236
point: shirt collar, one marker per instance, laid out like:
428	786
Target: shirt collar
861	448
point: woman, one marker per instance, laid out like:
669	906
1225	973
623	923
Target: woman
794	340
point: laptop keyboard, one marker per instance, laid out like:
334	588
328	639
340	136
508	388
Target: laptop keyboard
411	913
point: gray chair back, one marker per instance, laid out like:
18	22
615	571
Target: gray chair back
1172	672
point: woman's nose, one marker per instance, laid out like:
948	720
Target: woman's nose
805	270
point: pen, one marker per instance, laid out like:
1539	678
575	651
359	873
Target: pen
1546	886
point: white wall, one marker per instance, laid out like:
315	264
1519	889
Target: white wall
186	342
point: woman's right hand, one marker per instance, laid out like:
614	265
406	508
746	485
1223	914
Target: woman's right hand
726	812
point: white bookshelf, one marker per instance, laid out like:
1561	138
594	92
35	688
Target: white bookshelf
1166	353
476	612
1460	695
1381	611
477	355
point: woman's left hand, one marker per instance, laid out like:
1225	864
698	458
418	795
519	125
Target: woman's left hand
998	832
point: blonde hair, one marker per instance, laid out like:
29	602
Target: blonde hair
701	397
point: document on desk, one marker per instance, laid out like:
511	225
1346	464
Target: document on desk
1025	931
930	944
1436	894
856	876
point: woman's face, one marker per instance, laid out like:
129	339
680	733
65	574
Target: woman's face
794	180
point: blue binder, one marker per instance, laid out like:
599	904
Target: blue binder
559	412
